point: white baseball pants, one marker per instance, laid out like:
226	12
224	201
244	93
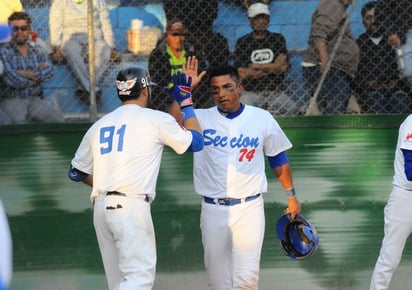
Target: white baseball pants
232	239
398	227
126	238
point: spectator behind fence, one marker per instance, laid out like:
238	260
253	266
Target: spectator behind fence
407	58
327	23
167	59
69	36
262	61
378	85
26	67
211	47
198	16
395	18
6	9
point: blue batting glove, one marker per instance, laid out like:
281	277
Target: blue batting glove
182	92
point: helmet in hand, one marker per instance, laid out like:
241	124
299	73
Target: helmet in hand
298	238
131	80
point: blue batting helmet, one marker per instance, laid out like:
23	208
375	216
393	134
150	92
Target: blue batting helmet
298	238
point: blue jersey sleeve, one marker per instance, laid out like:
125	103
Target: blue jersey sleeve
197	142
407	155
76	175
278	160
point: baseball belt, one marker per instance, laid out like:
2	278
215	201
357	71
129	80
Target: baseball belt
146	197
229	201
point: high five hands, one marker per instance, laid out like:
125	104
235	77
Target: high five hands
190	68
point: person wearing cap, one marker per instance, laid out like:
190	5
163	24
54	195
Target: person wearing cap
120	157
262	60
211	46
167	59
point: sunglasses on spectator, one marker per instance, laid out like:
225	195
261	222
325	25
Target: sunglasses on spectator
22	28
178	34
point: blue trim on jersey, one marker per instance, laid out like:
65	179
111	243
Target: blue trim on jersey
77	175
407	155
235	114
278	160
197	142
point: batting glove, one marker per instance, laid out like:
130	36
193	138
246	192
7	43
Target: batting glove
293	206
181	91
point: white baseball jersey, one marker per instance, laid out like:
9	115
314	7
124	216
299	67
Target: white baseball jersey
123	149
232	163
6	260
404	142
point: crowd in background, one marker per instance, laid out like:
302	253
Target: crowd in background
340	74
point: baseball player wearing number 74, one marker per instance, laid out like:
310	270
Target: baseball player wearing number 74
229	175
119	157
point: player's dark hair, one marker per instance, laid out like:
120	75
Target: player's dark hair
224	70
368	6
20	16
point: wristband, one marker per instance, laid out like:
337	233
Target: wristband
187	113
186	102
291	192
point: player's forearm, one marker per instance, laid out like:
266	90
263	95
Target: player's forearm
189	119
174	110
284	175
189	123
88	180
192	124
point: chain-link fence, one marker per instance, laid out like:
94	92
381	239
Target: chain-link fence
361	74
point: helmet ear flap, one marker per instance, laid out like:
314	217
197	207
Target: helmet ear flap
298	238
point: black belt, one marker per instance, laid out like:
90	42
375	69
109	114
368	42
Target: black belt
115	193
146	197
229	201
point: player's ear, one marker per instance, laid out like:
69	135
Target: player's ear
239	87
145	94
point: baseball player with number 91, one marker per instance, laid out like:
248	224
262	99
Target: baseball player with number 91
229	176
119	156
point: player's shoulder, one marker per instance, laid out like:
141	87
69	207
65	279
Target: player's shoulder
257	111
407	121
259	115
206	111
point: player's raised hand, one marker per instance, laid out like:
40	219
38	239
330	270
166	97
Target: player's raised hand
190	68
182	91
293	206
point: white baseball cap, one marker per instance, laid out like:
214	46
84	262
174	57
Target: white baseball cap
256	9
